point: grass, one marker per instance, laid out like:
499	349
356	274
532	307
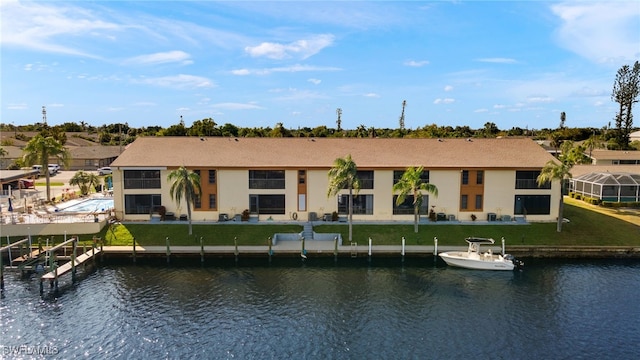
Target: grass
44	183
213	234
587	227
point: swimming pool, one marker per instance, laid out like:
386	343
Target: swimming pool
90	205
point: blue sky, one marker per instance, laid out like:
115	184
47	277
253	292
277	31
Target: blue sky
258	63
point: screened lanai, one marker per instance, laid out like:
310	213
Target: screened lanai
614	187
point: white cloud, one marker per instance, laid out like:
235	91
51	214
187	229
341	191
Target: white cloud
498	60
481	111
539	99
300	49
181	81
237	106
371	95
444	101
175	56
37	26
20	106
145	103
289	69
588	92
448	88
314	81
600	31
414	63
241	72
499	106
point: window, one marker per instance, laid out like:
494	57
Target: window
197	202
464	202
267	204
479	177
532	205
366	179
397	175
406	208
266	179
478	202
212	201
528	180
212	176
196	171
362	205
141	204
465	177
142	179
302	176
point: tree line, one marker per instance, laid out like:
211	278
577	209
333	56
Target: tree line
626	90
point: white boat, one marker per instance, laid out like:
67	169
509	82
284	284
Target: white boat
473	258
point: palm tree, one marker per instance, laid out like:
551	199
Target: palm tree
553	170
411	183
185	183
85	181
344	174
38	151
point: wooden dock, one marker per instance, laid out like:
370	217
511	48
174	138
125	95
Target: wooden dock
65	268
56	271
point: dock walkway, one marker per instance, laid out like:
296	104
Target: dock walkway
66	267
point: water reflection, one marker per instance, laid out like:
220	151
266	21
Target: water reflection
319	308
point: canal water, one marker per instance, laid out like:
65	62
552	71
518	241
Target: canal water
326	309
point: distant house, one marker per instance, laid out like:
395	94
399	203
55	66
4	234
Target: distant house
82	157
92	157
615	157
287	178
13	153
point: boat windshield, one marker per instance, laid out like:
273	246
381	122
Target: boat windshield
479	241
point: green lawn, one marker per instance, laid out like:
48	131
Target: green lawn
178	234
586	228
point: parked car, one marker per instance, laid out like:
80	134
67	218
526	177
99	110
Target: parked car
27	183
54	169
104	171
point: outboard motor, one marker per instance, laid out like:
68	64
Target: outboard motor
517	264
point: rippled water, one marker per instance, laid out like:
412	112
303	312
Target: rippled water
351	309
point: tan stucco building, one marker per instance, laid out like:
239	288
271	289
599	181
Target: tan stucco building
286	178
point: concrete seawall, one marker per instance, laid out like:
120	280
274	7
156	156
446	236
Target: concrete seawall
325	248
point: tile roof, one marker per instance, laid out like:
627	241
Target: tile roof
223	152
615	154
94	152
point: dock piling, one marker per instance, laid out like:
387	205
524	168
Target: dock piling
403	242
235	244
73	261
168	250
201	251
435	246
134	250
370	247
